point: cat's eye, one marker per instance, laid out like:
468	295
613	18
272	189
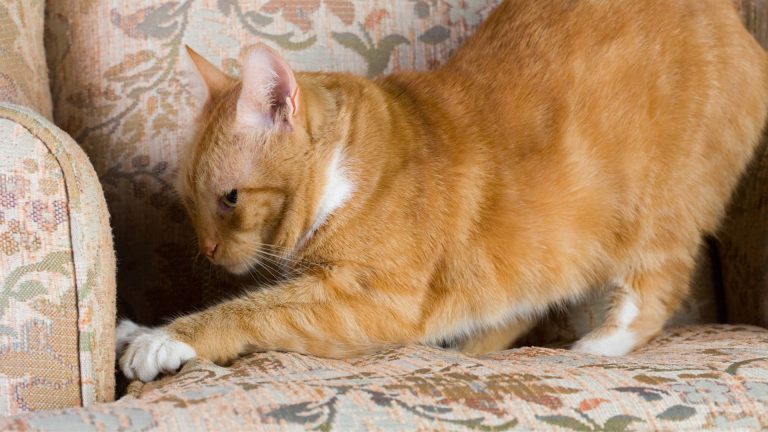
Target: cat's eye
230	199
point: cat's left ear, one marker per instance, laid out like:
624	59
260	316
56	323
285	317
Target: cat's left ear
207	81
269	98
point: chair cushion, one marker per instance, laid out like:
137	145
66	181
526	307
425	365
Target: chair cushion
23	71
690	378
57	270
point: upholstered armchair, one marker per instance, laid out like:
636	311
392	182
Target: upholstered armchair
94	111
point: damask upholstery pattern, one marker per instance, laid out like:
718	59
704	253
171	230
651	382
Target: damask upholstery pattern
23	73
694	378
57	282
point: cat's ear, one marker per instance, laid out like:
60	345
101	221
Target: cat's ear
206	81
269	98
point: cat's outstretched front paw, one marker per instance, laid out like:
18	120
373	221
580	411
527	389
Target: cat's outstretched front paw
150	351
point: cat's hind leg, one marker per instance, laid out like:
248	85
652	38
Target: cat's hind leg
646	297
497	338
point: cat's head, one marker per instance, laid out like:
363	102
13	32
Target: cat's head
246	180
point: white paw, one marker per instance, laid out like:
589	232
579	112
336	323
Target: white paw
125	333
617	343
151	352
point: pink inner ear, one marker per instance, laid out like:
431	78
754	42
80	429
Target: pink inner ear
268	85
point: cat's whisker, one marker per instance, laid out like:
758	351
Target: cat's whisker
266	266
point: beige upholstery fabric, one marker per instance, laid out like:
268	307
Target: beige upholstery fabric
695	378
23	73
57	272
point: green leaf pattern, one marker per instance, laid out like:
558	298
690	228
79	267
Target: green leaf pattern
420	388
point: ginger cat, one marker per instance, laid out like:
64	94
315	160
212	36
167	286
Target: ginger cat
567	145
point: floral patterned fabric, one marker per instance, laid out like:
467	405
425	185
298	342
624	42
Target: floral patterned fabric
23	73
691	378
57	275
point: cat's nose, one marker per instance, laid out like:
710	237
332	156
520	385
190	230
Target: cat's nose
208	248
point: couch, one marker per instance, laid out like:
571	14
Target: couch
94	111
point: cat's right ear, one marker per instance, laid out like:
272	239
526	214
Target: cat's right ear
206	80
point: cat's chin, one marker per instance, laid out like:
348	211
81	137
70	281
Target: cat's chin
237	269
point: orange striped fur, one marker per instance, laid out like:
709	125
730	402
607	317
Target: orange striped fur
569	144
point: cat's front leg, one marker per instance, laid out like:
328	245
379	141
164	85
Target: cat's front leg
326	316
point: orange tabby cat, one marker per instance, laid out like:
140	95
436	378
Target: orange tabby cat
569	144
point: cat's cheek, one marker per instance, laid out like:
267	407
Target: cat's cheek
152	352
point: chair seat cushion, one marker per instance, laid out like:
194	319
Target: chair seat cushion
698	377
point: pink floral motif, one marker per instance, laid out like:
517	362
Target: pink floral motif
374	18
48	217
12	188
298	12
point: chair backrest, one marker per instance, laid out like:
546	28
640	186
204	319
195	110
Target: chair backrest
23	73
743	240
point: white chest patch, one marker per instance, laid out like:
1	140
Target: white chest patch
338	189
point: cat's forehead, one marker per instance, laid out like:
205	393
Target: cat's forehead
225	160
220	166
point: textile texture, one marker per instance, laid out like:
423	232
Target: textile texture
23	72
57	270
691	378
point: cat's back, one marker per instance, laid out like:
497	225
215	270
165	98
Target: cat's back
583	52
526	36
611	89
606	120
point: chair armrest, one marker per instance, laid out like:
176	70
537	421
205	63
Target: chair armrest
57	270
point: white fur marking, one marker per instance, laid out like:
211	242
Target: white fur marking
150	351
628	311
338	189
125	333
619	342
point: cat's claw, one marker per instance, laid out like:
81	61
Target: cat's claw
150	352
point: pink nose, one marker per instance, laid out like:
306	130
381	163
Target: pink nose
208	248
